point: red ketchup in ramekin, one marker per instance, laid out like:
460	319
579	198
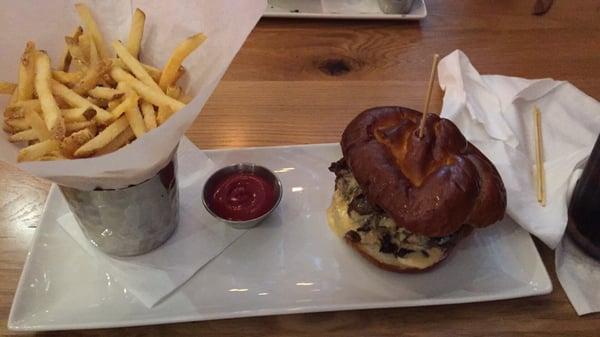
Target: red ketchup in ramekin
241	196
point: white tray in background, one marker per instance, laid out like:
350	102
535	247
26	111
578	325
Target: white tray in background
352	9
292	263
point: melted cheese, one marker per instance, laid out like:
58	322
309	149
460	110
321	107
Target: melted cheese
337	216
340	223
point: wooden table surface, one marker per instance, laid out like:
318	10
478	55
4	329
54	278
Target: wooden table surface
298	82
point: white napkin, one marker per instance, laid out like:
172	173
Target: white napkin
496	114
578	273
197	240
579	276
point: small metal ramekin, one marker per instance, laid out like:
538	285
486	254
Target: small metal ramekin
242	168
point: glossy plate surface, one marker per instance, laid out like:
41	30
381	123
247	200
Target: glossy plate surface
339	9
291	263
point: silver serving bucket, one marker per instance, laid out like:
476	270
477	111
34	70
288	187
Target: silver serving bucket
132	220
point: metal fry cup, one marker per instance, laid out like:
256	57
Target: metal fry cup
132	220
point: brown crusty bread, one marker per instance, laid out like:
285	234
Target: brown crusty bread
430	186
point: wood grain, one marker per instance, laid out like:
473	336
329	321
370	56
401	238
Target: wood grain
297	82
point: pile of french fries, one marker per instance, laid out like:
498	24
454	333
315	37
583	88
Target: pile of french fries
95	102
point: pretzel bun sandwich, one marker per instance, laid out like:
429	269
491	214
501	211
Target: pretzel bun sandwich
403	202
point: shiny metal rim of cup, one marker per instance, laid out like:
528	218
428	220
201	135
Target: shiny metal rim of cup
243	167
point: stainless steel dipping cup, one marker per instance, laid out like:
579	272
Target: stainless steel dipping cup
132	220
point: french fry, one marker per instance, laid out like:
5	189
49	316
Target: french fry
77	101
94	56
25	85
101	102
103	138
38	150
13	112
7	128
7	88
89	114
108	81
53	155
151	95
95	128
73	118
174	91
73	142
62	104
121	140
84	42
37	124
92	77
127	104
136	32
169	73
185	98
78	114
14	98
164	112
149	115
114	103
152	71
134	65
76	126
106	93
23	136
50	111
69	79
133	114
33	104
16	125
92	28
66	58
77	54
180	72
136	121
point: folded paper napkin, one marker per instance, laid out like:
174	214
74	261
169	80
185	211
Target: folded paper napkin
579	276
578	273
197	240
496	114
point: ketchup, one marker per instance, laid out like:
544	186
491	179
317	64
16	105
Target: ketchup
242	196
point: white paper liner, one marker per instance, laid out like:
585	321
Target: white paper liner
227	23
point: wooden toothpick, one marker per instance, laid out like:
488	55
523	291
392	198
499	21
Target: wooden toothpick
539	162
436	59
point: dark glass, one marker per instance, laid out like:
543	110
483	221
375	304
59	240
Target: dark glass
584	208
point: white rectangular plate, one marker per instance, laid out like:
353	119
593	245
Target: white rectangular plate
292	263
328	9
